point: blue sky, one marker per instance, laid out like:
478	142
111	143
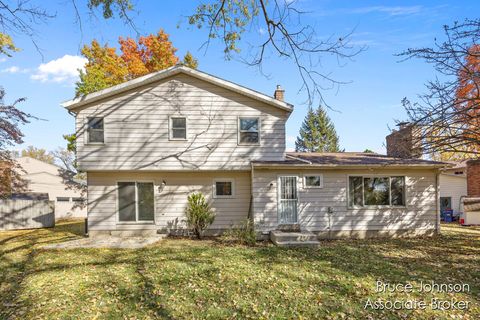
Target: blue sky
364	109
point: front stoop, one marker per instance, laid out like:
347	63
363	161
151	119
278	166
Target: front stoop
294	239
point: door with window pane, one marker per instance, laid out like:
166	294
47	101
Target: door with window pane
287	200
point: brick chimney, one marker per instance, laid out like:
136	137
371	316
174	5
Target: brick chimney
279	93
404	142
473	178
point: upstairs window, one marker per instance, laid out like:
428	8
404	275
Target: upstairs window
178	128
376	191
95	130
249	131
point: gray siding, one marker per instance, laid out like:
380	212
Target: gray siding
137	122
419	213
26	214
170	201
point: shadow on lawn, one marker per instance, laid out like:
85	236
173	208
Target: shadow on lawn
444	259
17	252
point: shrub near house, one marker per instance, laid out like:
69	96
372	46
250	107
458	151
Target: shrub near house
155	139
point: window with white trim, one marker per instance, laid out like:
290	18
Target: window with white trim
223	188
95	130
313	181
367	191
178	128
248	130
136	202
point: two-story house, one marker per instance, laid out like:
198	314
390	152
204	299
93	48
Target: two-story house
147	143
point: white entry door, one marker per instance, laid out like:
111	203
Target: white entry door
287	200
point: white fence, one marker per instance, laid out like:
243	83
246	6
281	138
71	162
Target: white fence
26	214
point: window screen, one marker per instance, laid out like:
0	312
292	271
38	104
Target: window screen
356	191
223	188
313	181
126	201
145	201
249	131
178	128
95	130
398	191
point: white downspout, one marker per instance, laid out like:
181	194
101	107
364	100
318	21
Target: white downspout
437	206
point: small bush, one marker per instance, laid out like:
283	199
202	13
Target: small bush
199	214
243	233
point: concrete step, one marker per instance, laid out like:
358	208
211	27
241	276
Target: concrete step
293	244
303	238
290	227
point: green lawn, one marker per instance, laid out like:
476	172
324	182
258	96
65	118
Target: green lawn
205	279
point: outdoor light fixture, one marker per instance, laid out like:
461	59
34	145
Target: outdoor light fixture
161	186
270	185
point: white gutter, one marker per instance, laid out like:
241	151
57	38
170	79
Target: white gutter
342	166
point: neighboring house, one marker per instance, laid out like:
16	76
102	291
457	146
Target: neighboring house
147	143
42	177
453	187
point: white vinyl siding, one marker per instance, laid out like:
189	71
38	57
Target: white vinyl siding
170	198
454	186
313	203
137	129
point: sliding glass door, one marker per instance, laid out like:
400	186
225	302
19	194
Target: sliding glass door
136	202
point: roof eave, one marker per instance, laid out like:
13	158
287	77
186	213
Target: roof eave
347	166
73	104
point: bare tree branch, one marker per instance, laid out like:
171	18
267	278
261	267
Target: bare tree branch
448	113
282	33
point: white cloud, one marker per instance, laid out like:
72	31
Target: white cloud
392	11
14	69
61	70
291	139
3	59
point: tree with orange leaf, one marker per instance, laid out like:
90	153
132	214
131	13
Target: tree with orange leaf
468	95
448	114
106	68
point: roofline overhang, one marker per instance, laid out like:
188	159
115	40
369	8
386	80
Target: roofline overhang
73	104
340	167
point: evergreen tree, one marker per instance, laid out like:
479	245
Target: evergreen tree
317	133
